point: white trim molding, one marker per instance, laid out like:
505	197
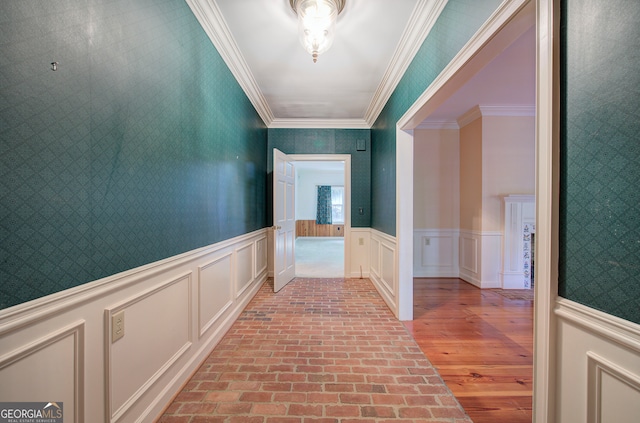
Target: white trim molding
383	267
599	353
469	116
320	123
215	26
547	193
423	18
438	124
615	329
126	381
404	224
507	23
481	110
614	392
510	110
480	257
25	364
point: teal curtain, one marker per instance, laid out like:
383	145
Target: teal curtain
323	215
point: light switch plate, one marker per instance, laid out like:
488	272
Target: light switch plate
117	326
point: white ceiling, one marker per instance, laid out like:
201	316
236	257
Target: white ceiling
342	83
350	83
507	82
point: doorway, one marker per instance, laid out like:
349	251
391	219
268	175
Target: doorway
452	148
321	251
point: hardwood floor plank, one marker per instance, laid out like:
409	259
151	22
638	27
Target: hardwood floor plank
481	342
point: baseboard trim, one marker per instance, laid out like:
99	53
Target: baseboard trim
179	381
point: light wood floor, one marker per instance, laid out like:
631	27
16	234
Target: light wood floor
481	343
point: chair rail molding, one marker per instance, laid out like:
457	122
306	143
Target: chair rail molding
173	313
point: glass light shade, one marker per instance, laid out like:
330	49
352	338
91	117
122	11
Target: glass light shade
316	24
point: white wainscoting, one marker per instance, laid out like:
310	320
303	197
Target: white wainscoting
60	348
480	258
28	373
598	366
373	255
383	267
357	240
435	253
360	250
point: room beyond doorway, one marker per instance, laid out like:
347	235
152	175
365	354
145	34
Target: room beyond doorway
322	255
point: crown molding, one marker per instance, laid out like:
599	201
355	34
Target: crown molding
422	19
508	22
213	23
508	110
438	124
483	110
474	113
319	124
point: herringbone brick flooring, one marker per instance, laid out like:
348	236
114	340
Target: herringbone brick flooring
318	351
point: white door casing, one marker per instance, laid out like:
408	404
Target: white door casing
284	220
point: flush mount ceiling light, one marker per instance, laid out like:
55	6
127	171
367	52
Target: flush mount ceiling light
316	23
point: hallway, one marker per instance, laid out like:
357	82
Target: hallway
320	350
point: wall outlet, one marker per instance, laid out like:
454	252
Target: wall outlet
360	241
117	326
427	241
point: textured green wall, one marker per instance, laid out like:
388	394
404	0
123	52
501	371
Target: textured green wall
600	156
330	141
139	147
459	20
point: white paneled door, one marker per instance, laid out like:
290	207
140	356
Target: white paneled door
284	220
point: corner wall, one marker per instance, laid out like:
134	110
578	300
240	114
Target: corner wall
493	157
508	155
436	217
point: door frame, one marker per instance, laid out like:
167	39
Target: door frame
346	158
547	181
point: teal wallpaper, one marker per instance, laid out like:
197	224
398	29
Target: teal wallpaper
330	141
459	20
600	156
140	146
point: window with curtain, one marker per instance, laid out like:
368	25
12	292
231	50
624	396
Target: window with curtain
337	204
330	207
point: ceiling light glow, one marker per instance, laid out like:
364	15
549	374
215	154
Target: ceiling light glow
316	23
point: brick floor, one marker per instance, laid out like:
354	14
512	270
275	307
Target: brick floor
318	351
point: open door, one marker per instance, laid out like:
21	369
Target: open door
284	220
